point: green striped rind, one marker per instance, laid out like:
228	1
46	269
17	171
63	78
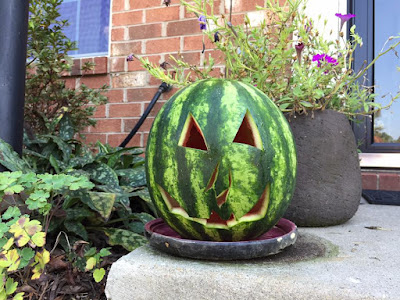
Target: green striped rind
219	107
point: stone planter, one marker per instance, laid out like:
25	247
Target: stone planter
328	188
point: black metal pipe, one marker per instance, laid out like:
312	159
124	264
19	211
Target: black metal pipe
161	89
13	40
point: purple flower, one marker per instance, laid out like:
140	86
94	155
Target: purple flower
299	48
320	58
129	57
203	24
308	27
344	18
216	37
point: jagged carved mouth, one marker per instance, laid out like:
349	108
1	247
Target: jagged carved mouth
215	221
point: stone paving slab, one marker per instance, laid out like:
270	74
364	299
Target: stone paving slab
357	260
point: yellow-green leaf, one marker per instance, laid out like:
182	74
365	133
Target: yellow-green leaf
39	239
19	296
90	263
32	227
98	274
9	243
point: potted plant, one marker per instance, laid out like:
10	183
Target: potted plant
309	75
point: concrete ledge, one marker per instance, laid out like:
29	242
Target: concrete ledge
364	264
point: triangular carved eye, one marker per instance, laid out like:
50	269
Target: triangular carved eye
191	136
248	133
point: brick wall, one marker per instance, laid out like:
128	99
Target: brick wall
386	180
150	29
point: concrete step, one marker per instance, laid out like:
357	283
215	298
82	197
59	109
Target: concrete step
357	260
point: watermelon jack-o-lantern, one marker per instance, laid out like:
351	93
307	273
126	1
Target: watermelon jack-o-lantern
220	162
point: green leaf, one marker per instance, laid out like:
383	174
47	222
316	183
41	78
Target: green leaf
125	238
306	104
11	286
90	263
54	163
100	172
11	212
137	227
78	214
104	252
102	202
92	251
144	217
26	255
66	127
133	177
77	228
98	274
10	159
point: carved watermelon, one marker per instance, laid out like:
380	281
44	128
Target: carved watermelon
220	162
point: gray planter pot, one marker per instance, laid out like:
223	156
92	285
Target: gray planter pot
328	187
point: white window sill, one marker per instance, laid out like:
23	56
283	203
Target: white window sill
379	160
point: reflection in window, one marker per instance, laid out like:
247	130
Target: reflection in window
89	25
386	75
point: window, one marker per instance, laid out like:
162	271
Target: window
376	20
89	25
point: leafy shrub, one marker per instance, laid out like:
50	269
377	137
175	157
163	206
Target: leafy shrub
22	239
46	96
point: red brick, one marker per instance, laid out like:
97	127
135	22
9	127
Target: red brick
106	126
183	28
162	45
125	110
140	94
70	83
116	139
136	4
124	49
127	18
196	43
85	61
76	67
389	182
163	14
155	109
145	31
100	112
146	126
135	65
238	19
246	5
167	95
217	55
217	11
129	80
154	81
93	138
117	64
369	181
115	96
100	65
145	138
118	34
192	58
118	5
95	81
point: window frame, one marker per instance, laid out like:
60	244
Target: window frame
364	21
92	54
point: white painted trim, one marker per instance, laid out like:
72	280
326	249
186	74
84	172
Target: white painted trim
379	160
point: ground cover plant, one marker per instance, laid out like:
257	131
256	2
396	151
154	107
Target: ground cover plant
105	214
67	210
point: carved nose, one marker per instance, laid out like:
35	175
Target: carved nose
222	196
